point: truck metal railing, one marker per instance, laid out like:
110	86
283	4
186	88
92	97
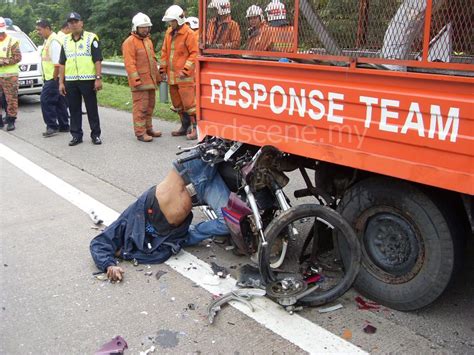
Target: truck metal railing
118	69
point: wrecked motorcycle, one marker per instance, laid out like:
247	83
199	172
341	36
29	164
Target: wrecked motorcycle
306	254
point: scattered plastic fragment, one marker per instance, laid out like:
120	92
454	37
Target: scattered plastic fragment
144	312
369	329
102	277
95	218
135	262
346	334
160	273
365	305
330	309
213	280
173	299
243	295
116	346
249	276
148	273
147	351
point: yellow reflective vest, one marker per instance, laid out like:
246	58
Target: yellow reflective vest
79	64
46	61
5	53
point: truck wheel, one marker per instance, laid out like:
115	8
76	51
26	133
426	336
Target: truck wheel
409	252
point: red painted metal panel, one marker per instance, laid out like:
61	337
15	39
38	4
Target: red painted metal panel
391	123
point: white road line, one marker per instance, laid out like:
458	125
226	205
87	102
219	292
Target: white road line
294	328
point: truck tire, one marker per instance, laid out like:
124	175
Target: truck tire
409	251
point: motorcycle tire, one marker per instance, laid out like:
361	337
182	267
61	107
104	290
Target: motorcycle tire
341	233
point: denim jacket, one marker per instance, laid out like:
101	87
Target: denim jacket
131	233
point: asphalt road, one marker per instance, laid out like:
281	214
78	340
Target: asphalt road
51	302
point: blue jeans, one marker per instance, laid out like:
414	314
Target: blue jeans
212	191
53	106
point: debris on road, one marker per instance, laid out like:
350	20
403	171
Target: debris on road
95	218
369	329
346	334
249	276
148	273
243	295
102	277
147	351
219	270
366	305
191	306
144	312
330	309
160	273
116	346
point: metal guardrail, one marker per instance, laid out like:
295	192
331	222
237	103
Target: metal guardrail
118	69
113	68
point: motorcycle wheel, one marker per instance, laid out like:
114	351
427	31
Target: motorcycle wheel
333	269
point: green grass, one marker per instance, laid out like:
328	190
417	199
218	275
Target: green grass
120	98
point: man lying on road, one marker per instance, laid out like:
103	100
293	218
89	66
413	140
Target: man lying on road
158	224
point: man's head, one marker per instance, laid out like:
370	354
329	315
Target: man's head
193	22
254	15
43	28
74	21
221	7
275	11
65	28
3	27
141	25
174	15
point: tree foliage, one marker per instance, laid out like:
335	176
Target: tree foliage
111	20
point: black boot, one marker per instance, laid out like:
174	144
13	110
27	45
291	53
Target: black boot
1	122
11	123
185	123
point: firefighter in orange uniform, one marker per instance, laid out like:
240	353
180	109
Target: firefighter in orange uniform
193	23
280	32
143	77
178	56
222	31
258	39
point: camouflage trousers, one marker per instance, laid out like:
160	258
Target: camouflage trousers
9	88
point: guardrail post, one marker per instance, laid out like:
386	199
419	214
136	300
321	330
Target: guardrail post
164	92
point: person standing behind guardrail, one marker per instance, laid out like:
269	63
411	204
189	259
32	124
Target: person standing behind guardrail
143	76
53	105
10	56
80	77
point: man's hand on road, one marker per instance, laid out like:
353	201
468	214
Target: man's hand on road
115	273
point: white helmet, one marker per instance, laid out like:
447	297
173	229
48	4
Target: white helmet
222	6
140	20
175	12
253	11
275	11
3	25
193	22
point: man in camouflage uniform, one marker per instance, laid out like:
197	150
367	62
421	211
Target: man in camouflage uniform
10	56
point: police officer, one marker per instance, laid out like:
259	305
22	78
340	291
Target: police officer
80	77
53	105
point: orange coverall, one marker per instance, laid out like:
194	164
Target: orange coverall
223	32
258	39
178	56
143	78
281	38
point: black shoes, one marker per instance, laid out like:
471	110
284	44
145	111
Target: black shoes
50	132
11	123
96	140
75	141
